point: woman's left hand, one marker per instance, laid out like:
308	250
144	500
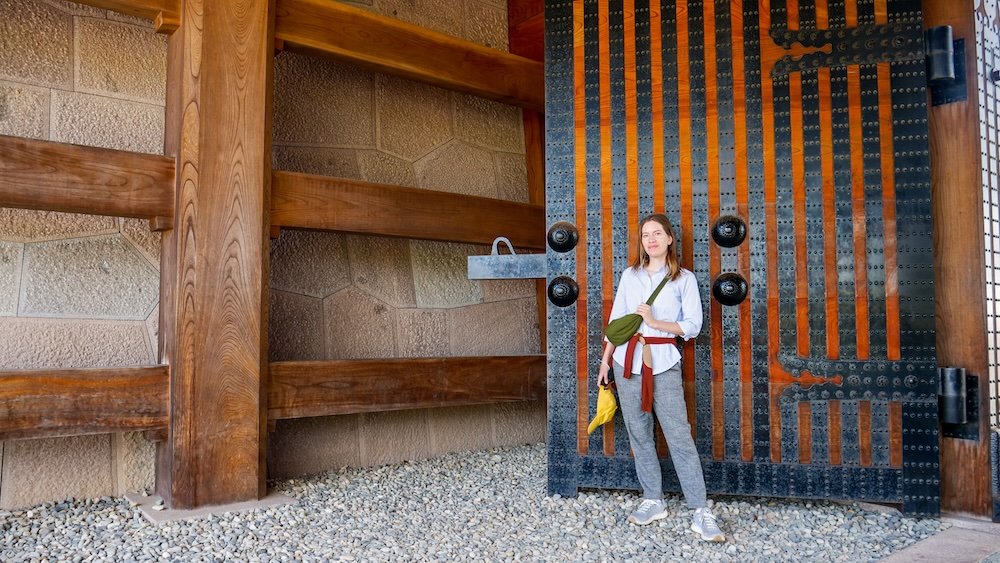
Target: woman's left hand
646	312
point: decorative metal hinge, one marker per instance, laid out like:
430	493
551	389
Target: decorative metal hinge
945	66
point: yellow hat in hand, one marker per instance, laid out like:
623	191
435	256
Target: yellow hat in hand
606	407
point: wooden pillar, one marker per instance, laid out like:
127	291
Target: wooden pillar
214	269
959	268
526	37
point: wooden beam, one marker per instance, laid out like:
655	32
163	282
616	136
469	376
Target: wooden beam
75	179
387	45
220	80
960	286
300	389
305	201
67	402
164	13
526	36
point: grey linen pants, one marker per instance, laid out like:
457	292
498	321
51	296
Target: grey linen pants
668	404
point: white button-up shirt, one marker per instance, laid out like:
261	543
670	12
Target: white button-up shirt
678	301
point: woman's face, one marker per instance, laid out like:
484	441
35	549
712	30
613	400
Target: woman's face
655	240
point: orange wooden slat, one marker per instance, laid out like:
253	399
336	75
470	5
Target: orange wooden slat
714	256
895	434
802	335
890	257
770	218
832	298
604	73
851	13
805	432
881	12
656	94
858	212
631	130
835	426
822	14
580	142
686	211
743	210
865	432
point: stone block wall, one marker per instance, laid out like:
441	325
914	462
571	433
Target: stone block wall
78	291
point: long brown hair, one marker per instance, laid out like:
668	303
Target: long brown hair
642	260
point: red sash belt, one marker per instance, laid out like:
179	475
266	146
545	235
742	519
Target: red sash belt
647	368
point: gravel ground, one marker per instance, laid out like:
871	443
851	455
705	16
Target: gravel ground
488	505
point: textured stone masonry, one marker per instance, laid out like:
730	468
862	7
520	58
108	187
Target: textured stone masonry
78	74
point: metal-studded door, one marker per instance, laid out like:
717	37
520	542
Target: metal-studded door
806	124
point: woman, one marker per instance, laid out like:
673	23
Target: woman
676	313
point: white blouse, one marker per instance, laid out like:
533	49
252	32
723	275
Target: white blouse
678	301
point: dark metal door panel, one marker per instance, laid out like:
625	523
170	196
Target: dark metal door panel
808	121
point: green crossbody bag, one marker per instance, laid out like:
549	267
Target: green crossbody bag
621	329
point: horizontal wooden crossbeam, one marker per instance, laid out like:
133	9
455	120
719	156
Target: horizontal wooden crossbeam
75	179
318	202
165	13
52	176
45	403
359	37
320	388
69	402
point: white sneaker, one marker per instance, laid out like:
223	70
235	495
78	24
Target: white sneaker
650	510
704	523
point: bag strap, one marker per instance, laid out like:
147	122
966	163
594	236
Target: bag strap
657	290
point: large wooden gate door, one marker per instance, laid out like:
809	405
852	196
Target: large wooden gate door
807	121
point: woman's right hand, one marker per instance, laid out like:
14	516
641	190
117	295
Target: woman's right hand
602	373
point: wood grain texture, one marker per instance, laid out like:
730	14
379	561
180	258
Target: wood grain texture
519	11
714	255
768	57
959	275
580	190
686	190
742	185
321	388
835	426
306	201
52	176
656	103
631	129
219	365
604	85
805	432
360	37
802	336
829	191
858	213
526	39
177	91
895	434
865	433
165	13
69	402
